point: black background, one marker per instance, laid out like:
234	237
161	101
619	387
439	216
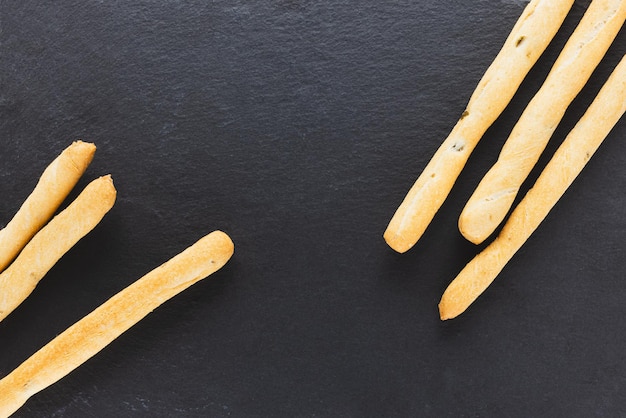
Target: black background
297	127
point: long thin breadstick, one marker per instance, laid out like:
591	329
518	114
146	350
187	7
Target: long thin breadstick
54	240
99	328
532	33
559	173
493	197
54	185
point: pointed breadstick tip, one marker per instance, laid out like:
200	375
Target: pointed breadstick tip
106	187
396	242
81	154
446	311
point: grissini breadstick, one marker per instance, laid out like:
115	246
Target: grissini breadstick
54	185
493	197
52	241
95	331
532	33
559	173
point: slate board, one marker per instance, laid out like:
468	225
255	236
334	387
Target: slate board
297	127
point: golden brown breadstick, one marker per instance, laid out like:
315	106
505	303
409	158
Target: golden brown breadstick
52	241
584	50
99	328
55	184
565	165
528	39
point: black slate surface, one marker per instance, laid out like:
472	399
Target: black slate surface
297	127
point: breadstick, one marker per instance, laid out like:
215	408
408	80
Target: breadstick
559	173
95	331
54	240
492	199
55	184
532	33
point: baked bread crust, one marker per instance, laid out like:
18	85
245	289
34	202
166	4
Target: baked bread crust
530	36
55	183
53	241
495	194
567	162
95	331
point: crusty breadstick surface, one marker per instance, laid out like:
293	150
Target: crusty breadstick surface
54	185
99	328
532	33
492	199
54	240
559	173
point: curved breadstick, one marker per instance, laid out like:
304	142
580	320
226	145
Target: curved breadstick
54	240
565	165
54	185
528	39
99	328
493	197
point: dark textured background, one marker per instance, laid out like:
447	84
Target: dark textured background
297	127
